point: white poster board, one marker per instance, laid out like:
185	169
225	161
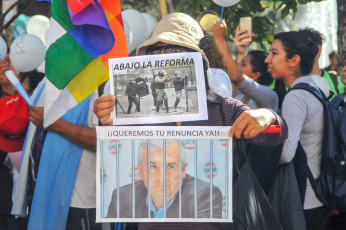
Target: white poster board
158	88
198	172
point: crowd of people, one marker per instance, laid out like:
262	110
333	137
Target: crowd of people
57	181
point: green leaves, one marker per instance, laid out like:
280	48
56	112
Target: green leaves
263	13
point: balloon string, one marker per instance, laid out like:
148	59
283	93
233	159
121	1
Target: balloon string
223	9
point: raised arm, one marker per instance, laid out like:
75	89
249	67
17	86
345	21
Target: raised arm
240	44
262	95
233	70
160	80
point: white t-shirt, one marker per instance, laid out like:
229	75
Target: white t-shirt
84	192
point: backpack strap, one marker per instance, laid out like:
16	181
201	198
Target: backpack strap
341	115
318	93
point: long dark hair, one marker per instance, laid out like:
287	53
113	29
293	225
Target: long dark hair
257	58
296	43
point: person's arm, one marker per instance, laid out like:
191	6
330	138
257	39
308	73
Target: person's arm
169	78
159	80
126	89
294	111
84	137
248	124
262	95
239	43
233	70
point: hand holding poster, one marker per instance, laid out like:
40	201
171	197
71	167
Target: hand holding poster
149	174
158	88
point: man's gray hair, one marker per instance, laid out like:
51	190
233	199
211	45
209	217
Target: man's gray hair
158	144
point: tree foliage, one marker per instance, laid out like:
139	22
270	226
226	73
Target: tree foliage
263	14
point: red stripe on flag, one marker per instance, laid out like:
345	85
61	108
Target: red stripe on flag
77	5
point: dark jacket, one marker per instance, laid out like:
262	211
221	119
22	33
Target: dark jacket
179	83
187	201
130	89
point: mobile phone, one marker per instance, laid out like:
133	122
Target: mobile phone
246	24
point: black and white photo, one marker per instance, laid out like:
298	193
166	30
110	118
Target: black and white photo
158	88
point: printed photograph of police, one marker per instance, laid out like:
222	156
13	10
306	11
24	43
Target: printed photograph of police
161	78
152	179
156	92
179	84
131	93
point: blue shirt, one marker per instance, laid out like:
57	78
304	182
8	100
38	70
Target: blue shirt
158	213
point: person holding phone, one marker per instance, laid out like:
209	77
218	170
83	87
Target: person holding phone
252	72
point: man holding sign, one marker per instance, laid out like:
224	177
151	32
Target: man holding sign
174	182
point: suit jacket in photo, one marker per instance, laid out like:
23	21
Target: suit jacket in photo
187	201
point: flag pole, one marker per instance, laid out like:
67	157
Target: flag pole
163	8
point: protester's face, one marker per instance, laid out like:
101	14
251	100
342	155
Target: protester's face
3	80
343	73
278	65
246	68
156	172
334	60
164	48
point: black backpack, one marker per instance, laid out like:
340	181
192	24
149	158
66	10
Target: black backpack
330	186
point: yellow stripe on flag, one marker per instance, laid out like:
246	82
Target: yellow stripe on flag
109	16
88	80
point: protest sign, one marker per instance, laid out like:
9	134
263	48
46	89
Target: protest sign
194	186
158	88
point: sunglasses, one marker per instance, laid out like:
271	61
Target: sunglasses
167	49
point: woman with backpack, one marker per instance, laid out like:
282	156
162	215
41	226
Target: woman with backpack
291	59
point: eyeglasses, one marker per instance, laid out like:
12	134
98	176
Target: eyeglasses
166	49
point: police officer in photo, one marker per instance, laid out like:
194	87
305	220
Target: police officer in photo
131	95
179	83
160	82
153	91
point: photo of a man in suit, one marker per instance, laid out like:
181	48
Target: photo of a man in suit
153	203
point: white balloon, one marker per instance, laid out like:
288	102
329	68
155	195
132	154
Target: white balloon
42	68
38	25
226	3
150	22
134	26
27	52
3	47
